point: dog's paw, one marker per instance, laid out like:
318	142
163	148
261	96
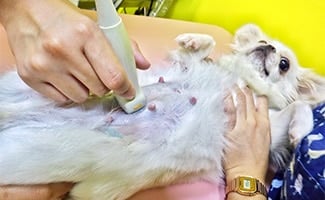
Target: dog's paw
301	123
195	41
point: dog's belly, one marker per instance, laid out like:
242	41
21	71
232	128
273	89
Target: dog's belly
177	135
167	105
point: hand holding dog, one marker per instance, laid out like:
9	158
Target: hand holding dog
249	135
61	53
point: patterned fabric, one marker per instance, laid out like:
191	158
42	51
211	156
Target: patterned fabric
304	179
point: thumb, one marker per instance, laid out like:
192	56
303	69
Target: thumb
140	60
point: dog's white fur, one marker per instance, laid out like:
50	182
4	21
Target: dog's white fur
178	137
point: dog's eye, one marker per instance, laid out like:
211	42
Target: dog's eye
262	41
284	64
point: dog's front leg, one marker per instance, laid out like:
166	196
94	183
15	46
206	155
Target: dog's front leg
200	45
288	127
301	123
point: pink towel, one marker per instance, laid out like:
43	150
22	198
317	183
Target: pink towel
193	191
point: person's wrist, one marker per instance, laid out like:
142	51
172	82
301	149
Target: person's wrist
246	187
10	8
234	173
5	9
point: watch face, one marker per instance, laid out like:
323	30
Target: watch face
247	185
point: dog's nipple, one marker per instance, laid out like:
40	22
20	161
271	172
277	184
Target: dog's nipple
109	119
161	80
193	100
152	107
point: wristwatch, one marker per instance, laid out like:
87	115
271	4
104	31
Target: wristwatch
247	186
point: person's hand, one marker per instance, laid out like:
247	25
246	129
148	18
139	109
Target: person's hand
62	53
249	136
53	191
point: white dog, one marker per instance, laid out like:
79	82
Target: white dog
178	136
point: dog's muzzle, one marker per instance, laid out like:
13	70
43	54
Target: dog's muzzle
262	52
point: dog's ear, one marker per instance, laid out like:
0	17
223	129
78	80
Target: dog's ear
247	34
311	87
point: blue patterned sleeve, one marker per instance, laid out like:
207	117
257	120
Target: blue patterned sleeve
304	179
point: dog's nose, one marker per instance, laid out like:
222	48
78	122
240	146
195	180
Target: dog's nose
265	49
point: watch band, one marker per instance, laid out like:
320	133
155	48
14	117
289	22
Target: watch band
247	186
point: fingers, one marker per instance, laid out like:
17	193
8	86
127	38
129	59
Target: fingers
60	190
50	91
263	112
71	87
86	75
245	109
262	106
249	138
71	57
250	104
58	86
107	66
141	61
241	104
52	191
230	111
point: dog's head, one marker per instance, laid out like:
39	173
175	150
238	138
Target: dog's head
278	65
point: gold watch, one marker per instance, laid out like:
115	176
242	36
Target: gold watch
247	186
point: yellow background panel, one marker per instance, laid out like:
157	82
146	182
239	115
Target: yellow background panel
300	24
